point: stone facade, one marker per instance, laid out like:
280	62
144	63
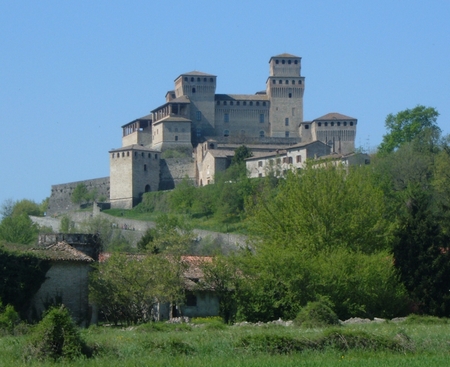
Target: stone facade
195	118
60	198
134	169
68	277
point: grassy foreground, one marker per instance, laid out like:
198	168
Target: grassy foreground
213	344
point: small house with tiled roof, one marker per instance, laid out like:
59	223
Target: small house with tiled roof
66	281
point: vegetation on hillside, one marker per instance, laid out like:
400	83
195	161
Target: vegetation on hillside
373	241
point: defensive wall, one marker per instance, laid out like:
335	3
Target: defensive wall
60	197
133	230
174	170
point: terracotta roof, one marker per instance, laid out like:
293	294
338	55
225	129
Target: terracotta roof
134	147
334	116
61	251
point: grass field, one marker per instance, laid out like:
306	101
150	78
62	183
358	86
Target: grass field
409	344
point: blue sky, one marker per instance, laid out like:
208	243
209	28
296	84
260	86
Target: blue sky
73	72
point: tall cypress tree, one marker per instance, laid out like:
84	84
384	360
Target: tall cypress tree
422	256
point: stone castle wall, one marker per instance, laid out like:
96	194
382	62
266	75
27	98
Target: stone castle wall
174	170
60	198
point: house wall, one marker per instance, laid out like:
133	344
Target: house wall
68	282
207	305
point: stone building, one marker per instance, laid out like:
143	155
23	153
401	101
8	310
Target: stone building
207	127
195	131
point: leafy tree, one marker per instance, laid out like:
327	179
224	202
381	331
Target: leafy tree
28	207
56	336
422	255
22	275
80	194
407	125
110	236
18	229
171	234
183	196
240	154
325	207
66	225
7	207
127	287
222	276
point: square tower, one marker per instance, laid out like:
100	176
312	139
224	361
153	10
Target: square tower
285	87
134	170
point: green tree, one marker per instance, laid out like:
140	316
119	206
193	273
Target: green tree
111	237
183	196
56	336
171	234
19	229
222	276
240	154
407	125
80	194
325	207
126	287
422	254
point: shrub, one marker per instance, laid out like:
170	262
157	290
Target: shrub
317	314
352	339
424	319
56	336
276	344
9	318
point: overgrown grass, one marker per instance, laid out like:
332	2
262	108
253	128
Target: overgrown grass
158	344
234	225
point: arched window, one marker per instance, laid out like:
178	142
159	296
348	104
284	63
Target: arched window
226	133
261	134
147	188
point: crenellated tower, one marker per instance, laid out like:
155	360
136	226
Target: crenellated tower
285	87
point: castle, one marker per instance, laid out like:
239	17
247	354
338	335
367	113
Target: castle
195	132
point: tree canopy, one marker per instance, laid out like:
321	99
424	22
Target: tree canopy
407	125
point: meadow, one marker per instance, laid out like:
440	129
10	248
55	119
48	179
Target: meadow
414	342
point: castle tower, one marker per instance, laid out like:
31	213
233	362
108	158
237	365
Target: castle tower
134	170
336	130
285	87
200	88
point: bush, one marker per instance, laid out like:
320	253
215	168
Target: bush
56	336
424	319
9	318
317	314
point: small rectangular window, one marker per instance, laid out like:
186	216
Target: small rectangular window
286	121
199	115
286	134
261	118
260	164
226	117
299	159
